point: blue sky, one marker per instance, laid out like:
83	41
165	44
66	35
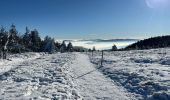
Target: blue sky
77	19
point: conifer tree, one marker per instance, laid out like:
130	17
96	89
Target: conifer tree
63	47
114	47
27	38
70	47
48	45
35	41
13	39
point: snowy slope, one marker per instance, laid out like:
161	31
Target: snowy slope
146	73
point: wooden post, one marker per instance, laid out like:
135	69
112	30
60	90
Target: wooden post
102	58
1	55
4	54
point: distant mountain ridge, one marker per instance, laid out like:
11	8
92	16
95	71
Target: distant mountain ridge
103	40
114	40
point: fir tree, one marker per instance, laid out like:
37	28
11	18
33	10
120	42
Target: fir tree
70	47
35	41
13	39
63	47
57	45
48	45
27	38
114	47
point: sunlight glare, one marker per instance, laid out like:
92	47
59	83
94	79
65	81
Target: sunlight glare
157	3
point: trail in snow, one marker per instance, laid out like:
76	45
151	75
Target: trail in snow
94	85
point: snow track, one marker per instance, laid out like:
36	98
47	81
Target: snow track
92	84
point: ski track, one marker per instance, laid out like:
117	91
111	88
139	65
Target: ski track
92	84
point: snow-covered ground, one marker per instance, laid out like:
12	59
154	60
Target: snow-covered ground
145	73
42	78
7	64
125	75
94	85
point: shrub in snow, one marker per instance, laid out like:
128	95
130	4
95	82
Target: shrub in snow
165	61
144	60
19	79
3	77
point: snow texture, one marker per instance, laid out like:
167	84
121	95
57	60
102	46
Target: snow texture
94	85
124	75
145	73
42	78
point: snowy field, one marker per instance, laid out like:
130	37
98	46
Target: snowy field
144	73
125	75
42	77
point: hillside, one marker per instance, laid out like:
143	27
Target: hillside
153	42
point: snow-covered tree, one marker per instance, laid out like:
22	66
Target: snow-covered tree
35	40
63	47
48	45
2	33
13	38
52	47
114	47
4	41
70	47
27	38
15	43
57	45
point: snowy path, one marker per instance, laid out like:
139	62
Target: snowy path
92	84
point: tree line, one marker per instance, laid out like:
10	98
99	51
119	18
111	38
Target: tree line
13	42
150	43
